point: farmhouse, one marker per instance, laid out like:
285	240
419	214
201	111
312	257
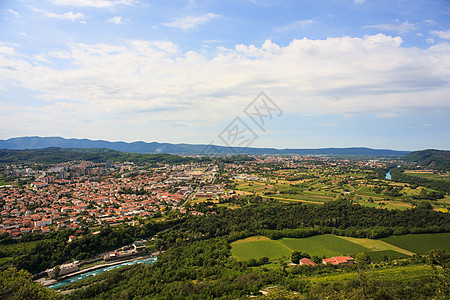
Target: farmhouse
339	260
307	262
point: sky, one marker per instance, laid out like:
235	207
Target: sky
260	73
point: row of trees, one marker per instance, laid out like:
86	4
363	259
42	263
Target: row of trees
442	186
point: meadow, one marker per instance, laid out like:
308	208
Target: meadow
323	245
421	243
259	247
430	176
326	245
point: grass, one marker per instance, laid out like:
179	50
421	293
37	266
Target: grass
405	273
421	243
430	176
252	239
257	249
323	245
17	246
282	199
301	197
320	245
376	245
378	256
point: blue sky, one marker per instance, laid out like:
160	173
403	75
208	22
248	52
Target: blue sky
342	72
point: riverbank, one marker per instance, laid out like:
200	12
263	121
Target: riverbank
93	270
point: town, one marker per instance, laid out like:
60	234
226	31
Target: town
83	194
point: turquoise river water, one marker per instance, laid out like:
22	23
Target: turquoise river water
148	260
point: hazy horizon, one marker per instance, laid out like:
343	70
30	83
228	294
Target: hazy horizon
217	144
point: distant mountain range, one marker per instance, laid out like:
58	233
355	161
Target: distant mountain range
35	142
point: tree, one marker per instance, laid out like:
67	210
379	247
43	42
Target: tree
264	260
362	258
424	205
439	260
297	255
316	259
16	284
56	271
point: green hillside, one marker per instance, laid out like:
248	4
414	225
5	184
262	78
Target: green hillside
436	159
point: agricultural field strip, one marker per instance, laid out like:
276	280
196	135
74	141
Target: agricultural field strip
376	245
251	239
428	176
328	245
295	200
260	248
302	196
421	243
414	271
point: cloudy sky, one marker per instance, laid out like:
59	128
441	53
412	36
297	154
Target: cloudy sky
342	73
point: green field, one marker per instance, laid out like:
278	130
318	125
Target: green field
320	245
421	243
378	256
377	245
259	247
428	176
405	273
329	245
302	197
17	246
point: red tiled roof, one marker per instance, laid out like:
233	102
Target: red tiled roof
307	261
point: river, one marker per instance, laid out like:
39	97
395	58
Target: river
148	260
388	174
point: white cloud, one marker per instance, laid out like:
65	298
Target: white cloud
6	49
441	34
95	3
405	27
296	25
69	16
13	12
115	20
387	115
143	84
327	124
360	1
190	22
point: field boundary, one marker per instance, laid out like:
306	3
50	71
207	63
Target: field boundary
376	245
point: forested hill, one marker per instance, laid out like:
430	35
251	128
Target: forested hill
36	142
436	159
58	155
99	155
